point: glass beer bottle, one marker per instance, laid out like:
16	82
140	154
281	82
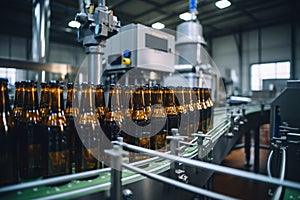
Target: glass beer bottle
31	137
44	102
209	105
147	98
158	120
113	117
170	108
89	132
100	103
58	160
127	128
204	111
183	122
8	145
198	109
18	103
71	114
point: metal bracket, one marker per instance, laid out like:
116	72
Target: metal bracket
116	158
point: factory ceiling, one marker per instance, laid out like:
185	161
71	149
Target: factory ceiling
16	15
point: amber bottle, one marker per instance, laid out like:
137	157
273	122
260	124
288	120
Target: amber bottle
198	109
147	98
58	160
31	137
45	99
71	114
140	118
127	128
170	108
100	103
89	132
113	117
209	105
18	103
183	121
8	144
204	111
158	120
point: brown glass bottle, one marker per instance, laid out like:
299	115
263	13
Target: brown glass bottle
127	128
158	120
45	99
198	109
209	105
89	132
170	108
204	111
18	103
147	98
8	144
189	108
100	104
113	117
183	121
31	137
140	118
71	114
58	160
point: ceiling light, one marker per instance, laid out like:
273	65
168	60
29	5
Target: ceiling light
158	25
187	16
223	4
74	24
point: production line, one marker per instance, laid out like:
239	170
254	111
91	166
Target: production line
137	59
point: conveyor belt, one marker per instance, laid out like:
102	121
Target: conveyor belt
217	140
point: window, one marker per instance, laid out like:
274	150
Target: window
9	73
260	72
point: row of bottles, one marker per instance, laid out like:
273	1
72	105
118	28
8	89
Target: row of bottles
39	139
49	138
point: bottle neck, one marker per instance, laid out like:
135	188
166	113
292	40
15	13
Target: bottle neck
72	98
114	100
4	107
99	98
169	99
87	104
19	97
44	102
156	97
56	100
30	99
147	97
138	100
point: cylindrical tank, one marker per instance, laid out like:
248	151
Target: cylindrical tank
189	43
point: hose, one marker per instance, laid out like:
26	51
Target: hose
278	191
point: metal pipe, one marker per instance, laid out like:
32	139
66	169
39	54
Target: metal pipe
214	167
81	5
40	29
282	174
269	163
176	183
101	3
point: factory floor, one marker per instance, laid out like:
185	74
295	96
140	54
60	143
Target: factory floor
243	188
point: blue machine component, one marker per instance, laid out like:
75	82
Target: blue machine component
127	54
193	5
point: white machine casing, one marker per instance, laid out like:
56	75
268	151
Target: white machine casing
150	49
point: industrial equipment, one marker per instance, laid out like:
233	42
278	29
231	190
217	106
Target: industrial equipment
284	158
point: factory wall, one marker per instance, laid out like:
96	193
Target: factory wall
275	46
12	47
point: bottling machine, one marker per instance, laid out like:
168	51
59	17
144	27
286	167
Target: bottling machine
141	55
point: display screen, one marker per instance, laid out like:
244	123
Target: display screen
115	59
156	43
